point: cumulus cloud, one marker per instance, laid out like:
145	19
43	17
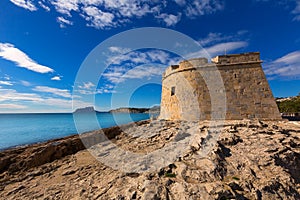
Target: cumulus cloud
287	66
27	4
58	92
11	53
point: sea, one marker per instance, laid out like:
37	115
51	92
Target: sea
24	129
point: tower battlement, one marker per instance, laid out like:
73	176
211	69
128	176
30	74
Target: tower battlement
252	57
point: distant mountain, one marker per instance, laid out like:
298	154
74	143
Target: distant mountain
85	110
154	109
130	110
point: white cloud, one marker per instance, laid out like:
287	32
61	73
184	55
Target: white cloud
218	43
13	95
136	57
118	75
104	14
119	50
288	66
6	77
87	86
214	38
5	83
180	2
169	19
47	8
98	18
11	106
9	52
56	78
59	92
66	6
25	83
63	22
12	99
27	4
203	7
296	11
225	47
217	49
126	66
144	72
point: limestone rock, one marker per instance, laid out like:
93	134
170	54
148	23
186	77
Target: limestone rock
249	160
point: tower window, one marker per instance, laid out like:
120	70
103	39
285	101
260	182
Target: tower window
174	67
172	91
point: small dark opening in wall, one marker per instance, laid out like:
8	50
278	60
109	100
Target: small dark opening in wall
235	76
174	67
172	91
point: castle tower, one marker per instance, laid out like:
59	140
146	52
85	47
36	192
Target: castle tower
190	91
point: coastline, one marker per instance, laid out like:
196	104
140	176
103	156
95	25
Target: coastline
18	130
251	160
54	148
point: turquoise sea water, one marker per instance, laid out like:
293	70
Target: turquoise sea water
22	129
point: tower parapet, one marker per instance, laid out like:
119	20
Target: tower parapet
252	57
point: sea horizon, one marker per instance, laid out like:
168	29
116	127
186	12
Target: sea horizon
21	129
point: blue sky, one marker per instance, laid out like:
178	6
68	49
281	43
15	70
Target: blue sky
43	44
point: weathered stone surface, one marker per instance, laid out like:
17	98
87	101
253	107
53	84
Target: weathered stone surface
247	162
200	90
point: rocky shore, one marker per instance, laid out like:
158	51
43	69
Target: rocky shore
248	160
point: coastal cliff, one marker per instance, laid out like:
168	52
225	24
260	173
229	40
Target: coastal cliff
250	160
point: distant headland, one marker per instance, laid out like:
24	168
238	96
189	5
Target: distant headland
154	109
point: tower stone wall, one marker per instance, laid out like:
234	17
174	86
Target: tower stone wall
189	90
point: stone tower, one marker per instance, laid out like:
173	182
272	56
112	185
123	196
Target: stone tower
231	87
